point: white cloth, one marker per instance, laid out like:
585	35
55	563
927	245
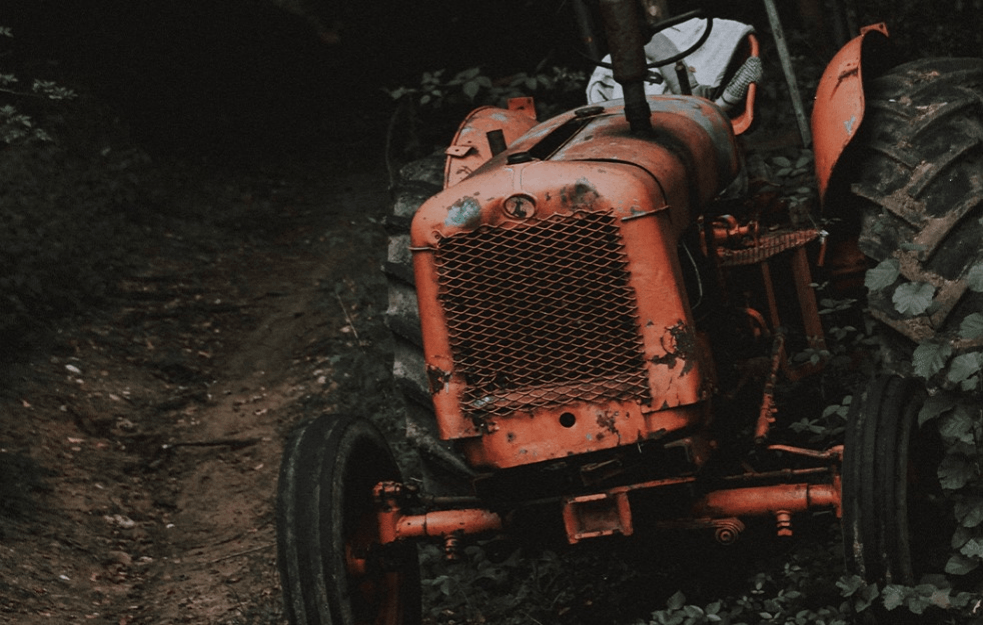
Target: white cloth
707	64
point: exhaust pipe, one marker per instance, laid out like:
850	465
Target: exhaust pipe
623	27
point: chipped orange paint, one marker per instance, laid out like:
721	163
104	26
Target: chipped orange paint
651	188
547	433
763	500
743	122
470	147
646	227
839	107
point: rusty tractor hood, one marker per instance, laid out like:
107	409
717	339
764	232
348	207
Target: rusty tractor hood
690	156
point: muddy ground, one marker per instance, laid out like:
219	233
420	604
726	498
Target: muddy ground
140	446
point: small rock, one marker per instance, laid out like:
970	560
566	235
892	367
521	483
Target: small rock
120	520
119	557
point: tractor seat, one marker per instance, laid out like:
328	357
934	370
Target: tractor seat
725	58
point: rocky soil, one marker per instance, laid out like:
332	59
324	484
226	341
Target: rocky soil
139	447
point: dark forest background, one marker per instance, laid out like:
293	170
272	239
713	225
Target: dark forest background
186	72
237	82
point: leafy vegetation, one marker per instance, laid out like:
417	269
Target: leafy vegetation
430	111
15	125
73	204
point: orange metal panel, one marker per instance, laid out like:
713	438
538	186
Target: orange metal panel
548	284
692	152
743	121
444	522
573	429
470	147
839	107
763	500
601	514
671	351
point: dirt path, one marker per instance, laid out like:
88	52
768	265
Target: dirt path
140	450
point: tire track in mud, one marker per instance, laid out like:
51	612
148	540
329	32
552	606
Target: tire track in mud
149	433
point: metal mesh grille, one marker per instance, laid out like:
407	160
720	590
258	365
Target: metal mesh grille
542	315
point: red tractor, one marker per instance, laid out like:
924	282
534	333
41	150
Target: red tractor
582	307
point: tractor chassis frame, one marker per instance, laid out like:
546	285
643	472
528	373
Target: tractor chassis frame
608	512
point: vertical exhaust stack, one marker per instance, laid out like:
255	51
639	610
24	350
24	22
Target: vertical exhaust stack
622	25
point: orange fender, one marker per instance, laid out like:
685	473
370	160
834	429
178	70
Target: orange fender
471	146
839	107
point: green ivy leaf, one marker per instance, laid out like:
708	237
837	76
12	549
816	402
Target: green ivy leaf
960	537
940	598
894	596
471	89
918	604
930	358
955	471
972	326
849	584
883	275
969	512
962	599
676	601
913	298
960	565
972	549
963	366
974	279
957	425
863	599
934	406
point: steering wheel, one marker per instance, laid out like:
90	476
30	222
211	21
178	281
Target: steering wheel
663	25
673	21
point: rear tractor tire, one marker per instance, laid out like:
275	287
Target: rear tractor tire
918	191
897	523
332	568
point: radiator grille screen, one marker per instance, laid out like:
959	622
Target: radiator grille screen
542	315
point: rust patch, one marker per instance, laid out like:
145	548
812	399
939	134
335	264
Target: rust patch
680	344
581	194
438	379
606	421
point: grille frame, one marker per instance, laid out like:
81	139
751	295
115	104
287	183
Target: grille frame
674	357
542	314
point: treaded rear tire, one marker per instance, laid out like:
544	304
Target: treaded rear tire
416	183
917	179
896	521
443	471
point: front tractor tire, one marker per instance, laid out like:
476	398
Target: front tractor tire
914	179
896	521
332	569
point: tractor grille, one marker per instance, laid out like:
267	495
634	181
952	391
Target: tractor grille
541	315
